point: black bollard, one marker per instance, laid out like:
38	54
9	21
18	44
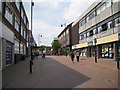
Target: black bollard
118	62
30	66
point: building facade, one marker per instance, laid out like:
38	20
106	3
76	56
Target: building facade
99	30
15	34
65	39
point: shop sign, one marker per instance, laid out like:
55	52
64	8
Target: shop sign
90	43
118	36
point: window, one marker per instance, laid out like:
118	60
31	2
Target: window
16	24
84	35
108	3
24	34
21	30
17	5
99	29
21	12
117	21
67	31
91	33
110	25
8	13
67	40
102	7
104	27
105	5
88	34
90	16
21	48
27	26
82	22
64	34
24	49
94	31
16	47
81	37
24	20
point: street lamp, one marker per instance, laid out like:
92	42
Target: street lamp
31	61
65	38
39	39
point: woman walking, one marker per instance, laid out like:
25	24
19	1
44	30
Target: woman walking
72	56
77	55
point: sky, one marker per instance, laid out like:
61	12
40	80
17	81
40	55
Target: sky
48	15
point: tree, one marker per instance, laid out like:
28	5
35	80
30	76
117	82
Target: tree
56	45
42	48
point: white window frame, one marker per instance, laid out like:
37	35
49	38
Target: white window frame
9	13
17	23
109	25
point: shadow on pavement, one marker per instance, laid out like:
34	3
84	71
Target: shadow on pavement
47	73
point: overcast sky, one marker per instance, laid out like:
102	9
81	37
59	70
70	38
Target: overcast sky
48	15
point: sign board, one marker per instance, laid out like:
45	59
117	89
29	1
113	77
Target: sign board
118	36
90	43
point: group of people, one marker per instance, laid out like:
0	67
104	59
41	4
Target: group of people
77	53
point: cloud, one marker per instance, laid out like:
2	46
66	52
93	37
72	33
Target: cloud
47	31
76	8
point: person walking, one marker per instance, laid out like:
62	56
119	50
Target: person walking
77	53
43	53
72	56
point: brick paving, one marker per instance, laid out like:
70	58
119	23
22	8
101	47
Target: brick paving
60	72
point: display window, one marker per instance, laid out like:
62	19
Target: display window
107	51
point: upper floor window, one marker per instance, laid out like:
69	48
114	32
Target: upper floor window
21	12
17	5
85	35
117	21
64	34
67	31
67	40
24	20
82	22
16	24
99	29
8	13
104	27
81	37
24	34
27	26
94	31
105	5
88	34
110	25
21	30
90	16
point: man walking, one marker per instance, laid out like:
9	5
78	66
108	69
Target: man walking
77	55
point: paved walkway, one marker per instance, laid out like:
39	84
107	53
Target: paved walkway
60	72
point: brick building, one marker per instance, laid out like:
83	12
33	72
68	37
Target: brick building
15	35
65	39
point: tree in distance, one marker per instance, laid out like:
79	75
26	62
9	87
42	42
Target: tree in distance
56	45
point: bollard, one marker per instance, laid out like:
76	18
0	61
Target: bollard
30	66
118	62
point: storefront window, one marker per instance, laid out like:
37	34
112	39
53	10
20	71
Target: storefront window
107	51
83	52
16	47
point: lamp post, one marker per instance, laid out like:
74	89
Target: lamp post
95	41
31	61
39	39
65	37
